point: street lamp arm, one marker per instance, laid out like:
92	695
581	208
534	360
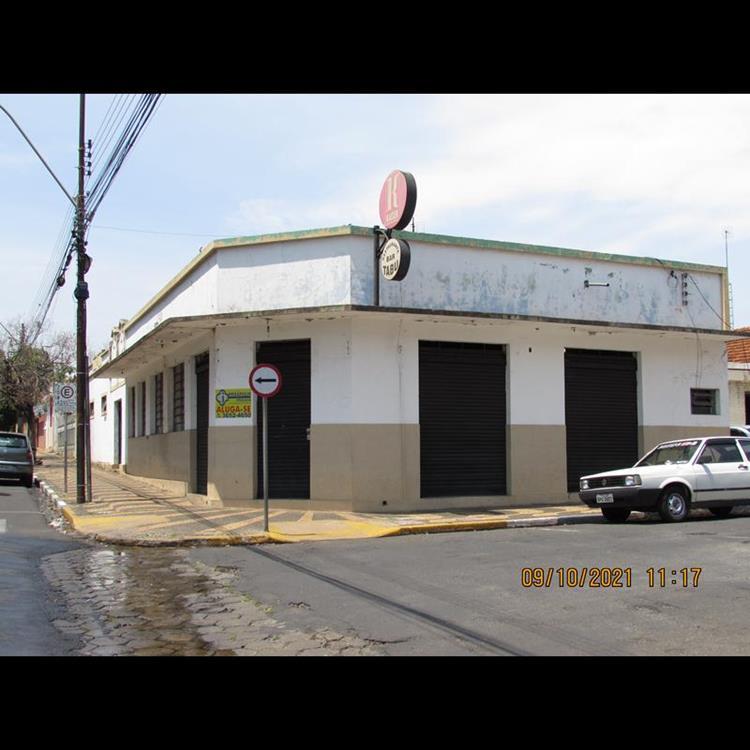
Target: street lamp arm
75	205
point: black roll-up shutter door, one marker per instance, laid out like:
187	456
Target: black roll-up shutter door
288	421
201	442
462	419
601	412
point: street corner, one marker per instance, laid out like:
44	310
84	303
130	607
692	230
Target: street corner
109	527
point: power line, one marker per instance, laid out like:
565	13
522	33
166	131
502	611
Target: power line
138	117
149	231
117	118
127	140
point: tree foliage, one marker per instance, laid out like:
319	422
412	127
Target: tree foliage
28	369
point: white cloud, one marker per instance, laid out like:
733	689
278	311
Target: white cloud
675	152
684	156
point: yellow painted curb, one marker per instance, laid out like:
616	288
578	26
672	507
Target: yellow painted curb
428	528
69	515
350	530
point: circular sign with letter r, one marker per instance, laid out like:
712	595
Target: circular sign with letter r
398	199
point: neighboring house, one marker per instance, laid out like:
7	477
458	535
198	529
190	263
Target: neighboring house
107	407
738	362
494	373
41	416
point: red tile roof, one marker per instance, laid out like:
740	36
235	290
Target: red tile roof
739	349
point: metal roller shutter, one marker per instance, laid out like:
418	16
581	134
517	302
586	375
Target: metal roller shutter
288	421
201	442
601	412
462	419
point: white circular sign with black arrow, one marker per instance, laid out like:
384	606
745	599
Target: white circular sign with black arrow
265	380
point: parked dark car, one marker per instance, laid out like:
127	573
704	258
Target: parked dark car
16	458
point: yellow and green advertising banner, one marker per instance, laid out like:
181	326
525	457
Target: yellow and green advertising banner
234	403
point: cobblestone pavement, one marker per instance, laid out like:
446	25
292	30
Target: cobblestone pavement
152	602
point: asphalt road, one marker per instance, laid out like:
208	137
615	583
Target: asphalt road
463	593
439	594
27	606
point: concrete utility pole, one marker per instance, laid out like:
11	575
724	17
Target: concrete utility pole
81	294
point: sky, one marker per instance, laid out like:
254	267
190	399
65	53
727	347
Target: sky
648	175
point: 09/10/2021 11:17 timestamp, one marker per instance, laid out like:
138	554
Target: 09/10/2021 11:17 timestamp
608	578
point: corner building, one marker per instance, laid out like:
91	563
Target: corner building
493	374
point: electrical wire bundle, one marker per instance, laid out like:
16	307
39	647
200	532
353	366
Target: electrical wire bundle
135	111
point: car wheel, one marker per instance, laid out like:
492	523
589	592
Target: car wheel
28	481
721	512
673	505
616	515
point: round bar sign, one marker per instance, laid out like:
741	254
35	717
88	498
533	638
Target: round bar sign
265	380
398	199
395	259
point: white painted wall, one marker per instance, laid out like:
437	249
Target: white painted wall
282	275
385	369
445	277
195	295
233	359
330	362
366	370
102	427
338	270
186	355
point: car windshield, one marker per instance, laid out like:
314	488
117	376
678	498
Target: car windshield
12	441
670	453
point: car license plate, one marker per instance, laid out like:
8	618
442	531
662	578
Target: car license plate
7	469
606	498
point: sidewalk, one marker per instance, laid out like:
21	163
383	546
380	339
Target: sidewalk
126	510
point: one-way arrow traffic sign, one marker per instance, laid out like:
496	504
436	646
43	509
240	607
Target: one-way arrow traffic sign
265	380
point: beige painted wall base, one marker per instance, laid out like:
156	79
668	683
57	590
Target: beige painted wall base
231	464
369	468
537	463
168	456
114	468
173	487
280	504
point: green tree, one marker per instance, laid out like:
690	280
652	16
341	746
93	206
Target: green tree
28	369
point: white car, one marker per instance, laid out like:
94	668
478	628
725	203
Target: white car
707	472
739	431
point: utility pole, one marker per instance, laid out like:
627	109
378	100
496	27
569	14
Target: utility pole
81	294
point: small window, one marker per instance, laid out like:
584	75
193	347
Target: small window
704	401
158	402
142	410
178	396
91	409
104	406
131	421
